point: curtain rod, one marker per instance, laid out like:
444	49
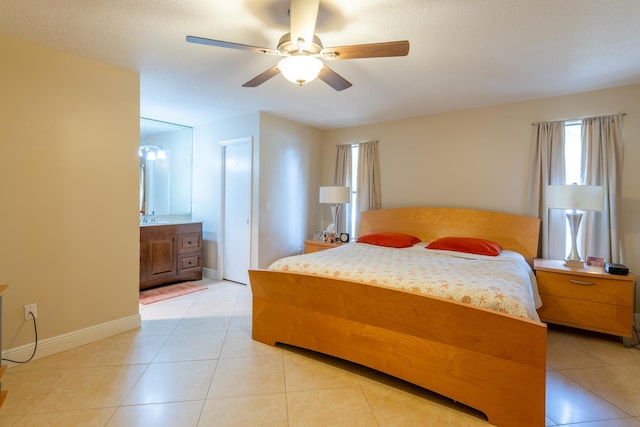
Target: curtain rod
584	118
357	143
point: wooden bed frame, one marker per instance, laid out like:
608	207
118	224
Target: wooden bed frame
490	361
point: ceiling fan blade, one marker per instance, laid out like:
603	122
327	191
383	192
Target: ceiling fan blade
230	45
262	77
333	79
302	17
372	50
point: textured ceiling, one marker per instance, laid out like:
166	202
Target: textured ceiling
464	53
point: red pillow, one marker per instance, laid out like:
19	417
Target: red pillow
389	239
469	245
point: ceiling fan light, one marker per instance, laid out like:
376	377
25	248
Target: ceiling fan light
300	69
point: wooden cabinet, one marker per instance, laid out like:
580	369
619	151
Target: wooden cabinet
170	253
593	300
318	245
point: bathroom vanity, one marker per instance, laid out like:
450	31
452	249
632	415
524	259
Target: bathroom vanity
170	253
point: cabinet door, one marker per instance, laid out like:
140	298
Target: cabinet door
161	257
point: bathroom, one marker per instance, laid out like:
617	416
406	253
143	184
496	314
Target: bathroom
170	242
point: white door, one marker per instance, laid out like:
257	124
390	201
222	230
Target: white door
237	210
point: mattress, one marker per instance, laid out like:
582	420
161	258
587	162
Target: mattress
503	283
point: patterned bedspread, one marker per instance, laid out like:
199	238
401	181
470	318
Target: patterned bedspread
504	283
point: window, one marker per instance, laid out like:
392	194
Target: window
362	173
593	150
573	152
572	162
354	189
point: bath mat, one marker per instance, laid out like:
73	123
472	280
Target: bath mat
162	293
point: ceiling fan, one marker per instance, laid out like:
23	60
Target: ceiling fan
303	51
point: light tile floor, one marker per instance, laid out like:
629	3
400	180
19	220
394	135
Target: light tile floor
193	363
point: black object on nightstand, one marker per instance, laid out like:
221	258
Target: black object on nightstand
619	269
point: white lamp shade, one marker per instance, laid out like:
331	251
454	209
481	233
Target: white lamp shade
575	197
300	69
335	195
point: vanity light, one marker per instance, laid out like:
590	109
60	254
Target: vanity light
152	152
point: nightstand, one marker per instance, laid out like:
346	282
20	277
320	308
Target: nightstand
3	368
586	299
318	245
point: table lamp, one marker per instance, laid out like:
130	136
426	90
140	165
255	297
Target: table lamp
574	199
334	196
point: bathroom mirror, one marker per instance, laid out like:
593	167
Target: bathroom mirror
166	159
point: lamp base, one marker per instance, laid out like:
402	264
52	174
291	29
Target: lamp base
573	259
574	263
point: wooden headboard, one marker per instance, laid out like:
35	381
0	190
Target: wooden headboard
514	232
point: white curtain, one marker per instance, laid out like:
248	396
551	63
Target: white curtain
602	150
548	167
343	179
369	195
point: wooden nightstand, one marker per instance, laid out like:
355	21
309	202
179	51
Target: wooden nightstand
318	245
3	368
586	299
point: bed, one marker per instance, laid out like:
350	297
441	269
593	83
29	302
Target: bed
489	360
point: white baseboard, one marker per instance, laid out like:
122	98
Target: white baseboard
54	345
210	273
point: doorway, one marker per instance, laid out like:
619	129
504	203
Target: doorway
236	200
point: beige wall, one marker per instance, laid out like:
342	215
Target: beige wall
207	179
286	167
480	158
289	172
69	193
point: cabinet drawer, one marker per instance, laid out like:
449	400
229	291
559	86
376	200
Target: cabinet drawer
586	288
189	241
311	246
606	318
189	262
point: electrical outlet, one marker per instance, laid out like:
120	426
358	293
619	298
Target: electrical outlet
30	308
